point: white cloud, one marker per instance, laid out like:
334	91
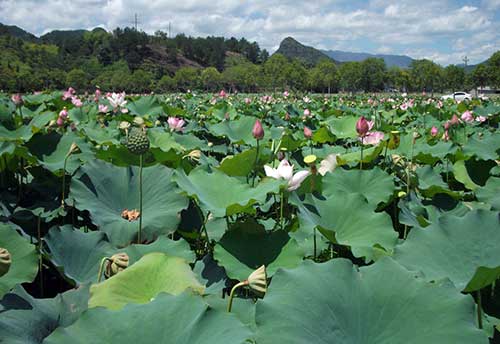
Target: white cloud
436	29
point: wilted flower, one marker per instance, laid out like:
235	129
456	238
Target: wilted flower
175	124
5	261
130	215
17	99
118	262
434	131
258	131
328	164
69	93
285	171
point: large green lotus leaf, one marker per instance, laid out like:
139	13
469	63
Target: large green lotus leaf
238	131
431	183
29	320
24	266
224	195
243	163
485	147
369	154
106	190
79	254
347	219
375	185
343	127
100	135
247	246
145	106
152	274
490	193
463	249
52	158
334	302
165	141
473	173
422	150
25	132
168	319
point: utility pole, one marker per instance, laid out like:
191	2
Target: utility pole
465	59
169	30
136	22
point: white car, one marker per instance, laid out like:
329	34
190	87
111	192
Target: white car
458	96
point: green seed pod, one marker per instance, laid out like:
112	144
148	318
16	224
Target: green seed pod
137	141
115	264
5	261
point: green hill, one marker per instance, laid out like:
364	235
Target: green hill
293	49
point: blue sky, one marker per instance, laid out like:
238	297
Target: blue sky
444	31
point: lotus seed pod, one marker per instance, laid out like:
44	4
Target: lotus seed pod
310	159
394	140
139	121
5	261
115	264
257	281
137	141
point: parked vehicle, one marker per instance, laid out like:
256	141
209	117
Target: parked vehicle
458	96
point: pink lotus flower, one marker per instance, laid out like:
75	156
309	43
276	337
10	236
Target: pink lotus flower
60	122
434	131
17	99
103	108
467	117
481	119
222	94
258	131
372	138
175	124
117	101
307	133
63	113
362	126
404	106
248	101
286	94
69	93
454	120
307	112
285	171
76	102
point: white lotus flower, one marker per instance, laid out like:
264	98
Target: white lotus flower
285	171
117	100
328	164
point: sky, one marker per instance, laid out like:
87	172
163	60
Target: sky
443	31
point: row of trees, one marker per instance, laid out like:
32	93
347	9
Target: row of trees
123	61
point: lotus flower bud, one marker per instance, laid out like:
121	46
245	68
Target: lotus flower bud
124	125
307	133
72	149
257	281
5	261
362	126
17	99
434	131
60	122
116	263
454	120
446	125
258	131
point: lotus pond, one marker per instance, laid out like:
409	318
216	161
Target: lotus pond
248	219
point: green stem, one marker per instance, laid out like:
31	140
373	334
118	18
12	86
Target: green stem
231	295
40	257
361	161
64	180
314	242
255	164
281	209
479	311
140	200
101	268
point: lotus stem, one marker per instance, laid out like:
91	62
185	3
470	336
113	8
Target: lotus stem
314	242
64	180
281	209
479	311
140	199
255	164
40	257
361	161
231	295
101	268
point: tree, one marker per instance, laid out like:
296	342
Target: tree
324	76
425	75
165	84
454	77
373	74
186	78
211	78
350	76
398	78
77	79
494	69
274	70
481	76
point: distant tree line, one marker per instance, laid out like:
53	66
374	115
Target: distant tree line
133	61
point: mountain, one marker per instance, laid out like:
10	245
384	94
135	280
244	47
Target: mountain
16	31
401	61
291	48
